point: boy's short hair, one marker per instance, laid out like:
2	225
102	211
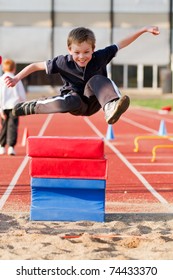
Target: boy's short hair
81	34
8	65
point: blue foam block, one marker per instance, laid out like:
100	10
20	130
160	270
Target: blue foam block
67	200
60	215
67	183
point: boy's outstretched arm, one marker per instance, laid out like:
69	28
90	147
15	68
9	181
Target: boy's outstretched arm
127	41
33	67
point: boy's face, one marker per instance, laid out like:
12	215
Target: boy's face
81	53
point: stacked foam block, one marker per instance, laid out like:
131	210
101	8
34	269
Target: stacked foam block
68	178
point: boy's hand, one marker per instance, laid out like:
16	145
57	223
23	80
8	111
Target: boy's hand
154	30
10	82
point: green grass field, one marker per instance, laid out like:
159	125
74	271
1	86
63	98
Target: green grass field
155	103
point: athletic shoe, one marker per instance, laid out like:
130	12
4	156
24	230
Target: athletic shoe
11	151
2	150
24	108
114	109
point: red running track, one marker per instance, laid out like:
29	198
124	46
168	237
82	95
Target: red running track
134	183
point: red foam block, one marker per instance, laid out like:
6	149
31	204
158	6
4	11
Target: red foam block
65	147
68	168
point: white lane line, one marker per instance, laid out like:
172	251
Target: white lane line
150	115
139	125
21	168
47	121
128	164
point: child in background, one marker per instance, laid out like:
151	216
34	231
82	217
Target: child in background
86	87
9	97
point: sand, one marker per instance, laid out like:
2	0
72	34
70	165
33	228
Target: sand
120	237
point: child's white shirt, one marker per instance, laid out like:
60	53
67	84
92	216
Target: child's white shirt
9	97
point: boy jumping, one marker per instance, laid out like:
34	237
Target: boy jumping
86	87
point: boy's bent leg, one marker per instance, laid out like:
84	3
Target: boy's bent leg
103	88
109	97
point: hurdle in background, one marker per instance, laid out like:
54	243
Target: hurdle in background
162	134
68	178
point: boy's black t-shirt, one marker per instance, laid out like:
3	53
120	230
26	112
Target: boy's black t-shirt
75	77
